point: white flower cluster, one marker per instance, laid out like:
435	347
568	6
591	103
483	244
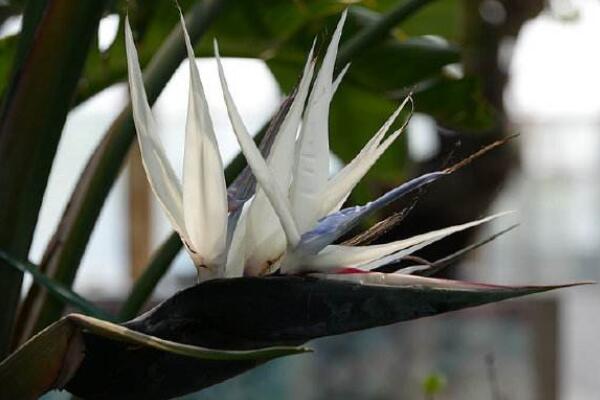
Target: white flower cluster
292	221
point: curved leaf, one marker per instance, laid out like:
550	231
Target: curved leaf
44	81
246	313
51	358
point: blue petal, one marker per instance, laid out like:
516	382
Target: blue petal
335	225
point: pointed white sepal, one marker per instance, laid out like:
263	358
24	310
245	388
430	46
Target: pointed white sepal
311	171
160	174
266	238
342	184
335	257
204	188
340	78
236	255
402	280
257	163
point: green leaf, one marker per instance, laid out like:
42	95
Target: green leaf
151	22
441	17
279	29
59	291
33	114
395	65
456	103
273	22
246	313
380	28
51	358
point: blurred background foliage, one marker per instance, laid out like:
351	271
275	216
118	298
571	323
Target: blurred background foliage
435	49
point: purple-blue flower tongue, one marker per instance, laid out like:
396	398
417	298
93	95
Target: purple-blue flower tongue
335	225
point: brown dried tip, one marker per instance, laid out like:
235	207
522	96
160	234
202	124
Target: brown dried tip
479	153
382	227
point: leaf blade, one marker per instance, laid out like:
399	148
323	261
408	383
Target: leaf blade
55	288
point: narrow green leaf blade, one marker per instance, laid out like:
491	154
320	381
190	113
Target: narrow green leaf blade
56	289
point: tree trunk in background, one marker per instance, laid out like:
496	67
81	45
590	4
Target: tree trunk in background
468	194
140	223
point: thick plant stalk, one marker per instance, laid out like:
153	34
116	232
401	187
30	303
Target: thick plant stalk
69	241
34	112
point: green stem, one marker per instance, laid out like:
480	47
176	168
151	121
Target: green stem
377	31
63	256
145	284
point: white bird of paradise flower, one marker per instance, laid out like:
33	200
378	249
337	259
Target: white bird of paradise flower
293	219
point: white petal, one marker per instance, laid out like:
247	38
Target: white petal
340	77
369	257
259	167
266	240
204	188
395	280
342	184
160	174
412	269
311	171
265	236
281	157
236	256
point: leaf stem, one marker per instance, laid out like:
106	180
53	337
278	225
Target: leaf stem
56	289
